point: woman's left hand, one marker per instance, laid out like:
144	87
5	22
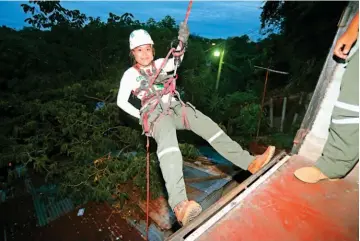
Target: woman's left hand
183	33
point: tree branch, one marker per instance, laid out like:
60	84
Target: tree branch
95	98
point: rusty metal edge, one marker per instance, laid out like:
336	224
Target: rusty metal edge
205	215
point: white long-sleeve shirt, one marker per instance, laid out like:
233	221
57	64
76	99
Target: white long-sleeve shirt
131	80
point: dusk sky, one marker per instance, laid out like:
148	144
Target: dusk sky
211	19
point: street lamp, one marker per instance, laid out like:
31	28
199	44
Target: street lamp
218	53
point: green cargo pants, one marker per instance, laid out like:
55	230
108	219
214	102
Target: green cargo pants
341	150
168	152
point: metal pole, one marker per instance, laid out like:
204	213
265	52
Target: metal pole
262	103
283	115
263	97
220	67
271	70
271	113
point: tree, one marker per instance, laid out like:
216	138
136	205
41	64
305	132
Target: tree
167	22
59	82
306	32
47	14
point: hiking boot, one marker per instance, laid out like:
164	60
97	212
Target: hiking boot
186	211
261	160
311	175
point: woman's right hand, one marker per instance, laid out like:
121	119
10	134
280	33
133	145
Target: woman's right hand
344	44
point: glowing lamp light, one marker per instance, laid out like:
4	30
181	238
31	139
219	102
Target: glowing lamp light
217	53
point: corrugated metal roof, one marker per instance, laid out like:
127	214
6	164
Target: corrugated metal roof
214	156
47	208
207	187
205	193
159	212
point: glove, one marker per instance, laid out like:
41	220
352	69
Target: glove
183	33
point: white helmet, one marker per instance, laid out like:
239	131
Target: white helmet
139	37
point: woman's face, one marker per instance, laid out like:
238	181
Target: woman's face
143	54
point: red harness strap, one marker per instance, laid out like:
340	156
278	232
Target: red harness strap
152	98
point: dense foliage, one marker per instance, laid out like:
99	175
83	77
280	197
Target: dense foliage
55	74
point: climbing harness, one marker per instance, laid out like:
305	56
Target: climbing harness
153	97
